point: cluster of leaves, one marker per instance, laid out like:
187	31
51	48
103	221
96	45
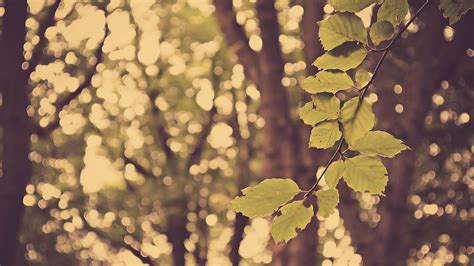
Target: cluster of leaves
347	43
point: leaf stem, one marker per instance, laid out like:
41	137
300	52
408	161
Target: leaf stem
333	157
385	51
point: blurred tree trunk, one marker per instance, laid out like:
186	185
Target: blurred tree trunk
428	59
16	137
285	147
177	232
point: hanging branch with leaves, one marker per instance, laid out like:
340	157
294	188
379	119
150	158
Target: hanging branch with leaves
357	157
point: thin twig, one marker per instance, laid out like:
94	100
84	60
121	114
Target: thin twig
385	50
364	91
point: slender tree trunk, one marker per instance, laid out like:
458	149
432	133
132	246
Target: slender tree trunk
177	234
16	138
432	60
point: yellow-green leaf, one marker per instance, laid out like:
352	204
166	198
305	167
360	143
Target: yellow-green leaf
350	5
324	135
356	120
265	198
344	57
334	173
380	31
294	216
341	28
378	143
327	201
324	106
454	9
366	174
327	82
362	77
393	11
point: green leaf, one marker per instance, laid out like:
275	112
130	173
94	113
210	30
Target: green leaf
350	5
380	31
344	57
324	135
294	216
362	77
393	11
324	106
265	198
327	82
334	173
366	174
356	120
327	201
341	28
454	9
379	143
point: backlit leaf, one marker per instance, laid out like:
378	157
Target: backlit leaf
393	11
327	201
294	216
341	28
334	173
344	57
454	9
379	143
326	81
324	135
265	198
380	31
362	77
350	5
356	120
365	174
324	106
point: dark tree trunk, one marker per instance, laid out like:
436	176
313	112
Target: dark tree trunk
16	137
431	60
177	232
281	136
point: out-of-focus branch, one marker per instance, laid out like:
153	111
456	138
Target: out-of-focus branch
236	39
138	167
196	154
47	22
118	244
42	132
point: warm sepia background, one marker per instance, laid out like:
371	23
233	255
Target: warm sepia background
147	117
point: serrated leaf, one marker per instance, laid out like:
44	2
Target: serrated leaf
356	120
454	9
393	11
350	5
324	135
326	81
327	201
365	174
362	77
324	106
341	28
380	31
344	57
294	216
265	198
379	143
334	173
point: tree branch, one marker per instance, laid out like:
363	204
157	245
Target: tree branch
42	132
386	49
362	95
138	167
237	39
37	53
118	244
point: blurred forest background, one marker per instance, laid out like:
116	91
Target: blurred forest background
128	125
